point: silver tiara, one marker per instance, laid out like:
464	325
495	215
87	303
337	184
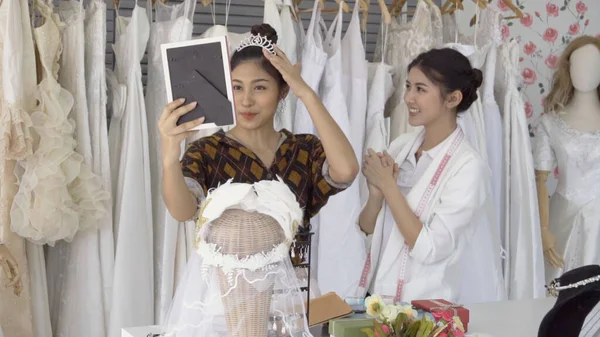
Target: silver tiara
257	41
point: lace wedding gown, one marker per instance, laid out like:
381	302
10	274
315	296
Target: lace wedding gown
76	277
173	23
16	88
58	194
574	206
405	42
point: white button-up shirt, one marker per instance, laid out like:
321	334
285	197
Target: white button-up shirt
433	268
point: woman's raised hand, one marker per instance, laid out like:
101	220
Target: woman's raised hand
171	134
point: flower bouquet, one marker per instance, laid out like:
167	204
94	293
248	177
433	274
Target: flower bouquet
402	320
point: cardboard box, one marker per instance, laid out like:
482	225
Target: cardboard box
439	304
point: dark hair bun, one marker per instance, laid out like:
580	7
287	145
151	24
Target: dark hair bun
477	77
265	30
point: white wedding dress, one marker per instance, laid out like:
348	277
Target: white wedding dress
132	301
17	86
574	207
58	194
242	286
77	303
172	23
524	266
405	42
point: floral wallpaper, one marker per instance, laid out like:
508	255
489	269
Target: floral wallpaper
545	29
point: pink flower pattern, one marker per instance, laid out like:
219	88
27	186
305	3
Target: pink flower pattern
543	32
527	20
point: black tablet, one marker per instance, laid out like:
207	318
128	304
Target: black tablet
198	70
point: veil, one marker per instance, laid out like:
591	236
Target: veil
240	282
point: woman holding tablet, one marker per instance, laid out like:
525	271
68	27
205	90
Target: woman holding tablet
314	169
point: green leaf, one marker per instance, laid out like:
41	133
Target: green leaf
563	8
542	91
368	332
540	85
509	23
521	7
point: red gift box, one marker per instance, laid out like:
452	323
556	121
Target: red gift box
439	304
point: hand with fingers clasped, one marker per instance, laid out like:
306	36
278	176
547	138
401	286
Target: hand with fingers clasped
290	72
380	170
171	134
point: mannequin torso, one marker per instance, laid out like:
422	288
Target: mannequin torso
583	112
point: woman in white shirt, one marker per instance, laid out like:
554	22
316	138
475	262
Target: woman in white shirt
429	211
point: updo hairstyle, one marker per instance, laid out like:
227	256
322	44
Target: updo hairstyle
255	54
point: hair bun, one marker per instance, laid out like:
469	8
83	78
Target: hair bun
265	30
477	77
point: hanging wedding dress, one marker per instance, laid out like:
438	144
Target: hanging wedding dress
339	240
15	144
405	42
283	23
376	132
472	120
525	262
133	287
74	268
354	84
313	66
95	78
58	194
172	23
234	40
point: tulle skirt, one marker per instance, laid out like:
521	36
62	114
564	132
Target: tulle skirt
211	303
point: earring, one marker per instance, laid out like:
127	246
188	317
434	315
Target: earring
281	107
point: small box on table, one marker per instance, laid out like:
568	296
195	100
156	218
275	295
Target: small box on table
443	305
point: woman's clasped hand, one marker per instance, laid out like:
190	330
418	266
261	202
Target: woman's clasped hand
380	170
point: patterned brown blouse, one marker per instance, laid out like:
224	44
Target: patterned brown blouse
300	162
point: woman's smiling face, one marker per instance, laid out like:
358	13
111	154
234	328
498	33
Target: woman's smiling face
256	95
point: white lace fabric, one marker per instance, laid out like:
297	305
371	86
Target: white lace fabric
58	193
269	197
575	153
404	43
241	281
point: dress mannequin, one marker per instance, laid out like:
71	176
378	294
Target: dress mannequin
568	138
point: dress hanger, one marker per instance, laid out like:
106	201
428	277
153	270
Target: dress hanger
345	7
483	5
364	8
322	8
387	18
396	7
515	9
397	10
451	6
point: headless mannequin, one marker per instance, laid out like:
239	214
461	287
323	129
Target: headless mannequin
581	113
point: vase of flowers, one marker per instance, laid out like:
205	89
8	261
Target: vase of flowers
402	320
